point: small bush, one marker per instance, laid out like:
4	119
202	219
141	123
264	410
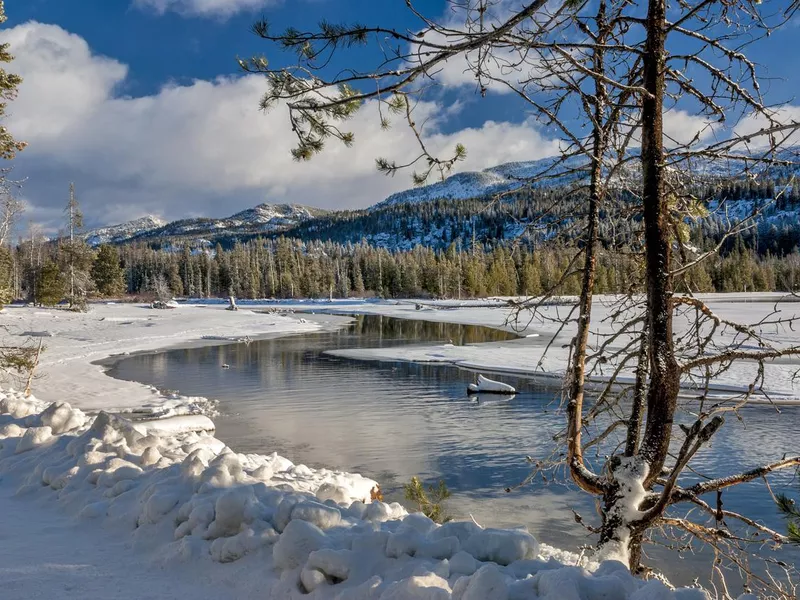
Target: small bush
78	303
429	501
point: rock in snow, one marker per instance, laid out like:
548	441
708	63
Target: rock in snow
315	532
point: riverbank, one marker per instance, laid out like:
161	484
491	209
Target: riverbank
164	515
542	352
76	343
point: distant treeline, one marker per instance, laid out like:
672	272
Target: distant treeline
286	268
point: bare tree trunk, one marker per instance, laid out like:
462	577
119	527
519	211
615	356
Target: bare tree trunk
10	209
580	474
578	370
639	392
664	374
644	460
71	243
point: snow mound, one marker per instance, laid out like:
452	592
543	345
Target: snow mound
313	533
490	386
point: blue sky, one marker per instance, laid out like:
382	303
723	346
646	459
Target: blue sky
179	46
142	104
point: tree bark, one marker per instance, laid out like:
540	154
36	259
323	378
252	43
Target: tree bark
664	373
580	474
662	388
639	390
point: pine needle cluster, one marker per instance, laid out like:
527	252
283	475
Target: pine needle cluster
429	500
789	509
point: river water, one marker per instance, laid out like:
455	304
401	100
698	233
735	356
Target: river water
392	421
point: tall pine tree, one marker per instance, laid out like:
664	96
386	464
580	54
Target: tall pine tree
51	286
8	149
107	273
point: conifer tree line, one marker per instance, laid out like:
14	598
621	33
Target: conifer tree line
536	214
473	256
287	268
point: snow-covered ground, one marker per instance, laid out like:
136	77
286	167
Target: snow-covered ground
92	508
95	506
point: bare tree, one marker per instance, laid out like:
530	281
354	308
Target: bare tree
31	249
161	289
10	210
604	75
75	249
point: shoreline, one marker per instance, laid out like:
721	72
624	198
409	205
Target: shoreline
109	362
78	347
781	388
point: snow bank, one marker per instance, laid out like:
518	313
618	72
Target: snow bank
177	424
314	533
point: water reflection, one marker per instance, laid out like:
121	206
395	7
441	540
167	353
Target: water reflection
484	399
378	327
392	421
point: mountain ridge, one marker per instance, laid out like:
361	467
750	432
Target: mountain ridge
389	223
262	218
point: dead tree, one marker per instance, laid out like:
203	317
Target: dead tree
621	67
10	209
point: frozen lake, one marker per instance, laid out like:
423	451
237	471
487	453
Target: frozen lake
392	421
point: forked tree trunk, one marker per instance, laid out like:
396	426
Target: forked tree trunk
664	377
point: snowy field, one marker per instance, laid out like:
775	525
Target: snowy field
97	506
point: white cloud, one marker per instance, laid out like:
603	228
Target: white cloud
752	124
199	149
202	8
64	82
682	127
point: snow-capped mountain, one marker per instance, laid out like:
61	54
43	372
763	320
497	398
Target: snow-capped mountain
115	234
554	172
264	218
271	216
478	184
436	215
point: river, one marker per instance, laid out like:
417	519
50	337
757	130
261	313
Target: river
392	421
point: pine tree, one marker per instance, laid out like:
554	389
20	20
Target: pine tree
789	509
51	286
107	273
11	207
8	91
174	280
6	276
